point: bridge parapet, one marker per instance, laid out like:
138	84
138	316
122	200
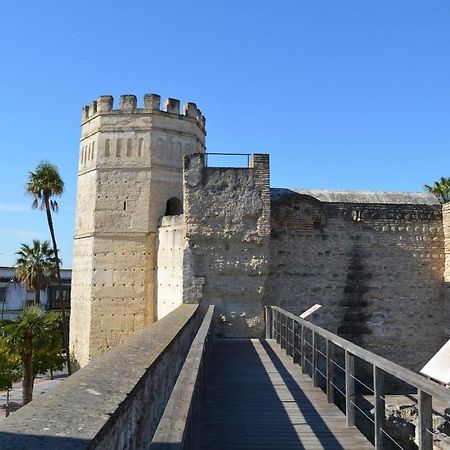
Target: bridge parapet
117	400
180	424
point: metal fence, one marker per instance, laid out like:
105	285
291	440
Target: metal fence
308	344
210	156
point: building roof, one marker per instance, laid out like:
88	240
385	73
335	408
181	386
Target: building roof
328	196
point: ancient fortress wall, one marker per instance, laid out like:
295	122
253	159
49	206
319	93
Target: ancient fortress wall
170	250
130	166
377	268
227	223
375	261
446	224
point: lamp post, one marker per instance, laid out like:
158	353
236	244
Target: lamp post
4	294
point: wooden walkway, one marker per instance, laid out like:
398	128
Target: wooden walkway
256	398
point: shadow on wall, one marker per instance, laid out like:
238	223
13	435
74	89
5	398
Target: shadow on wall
174	207
16	441
353	326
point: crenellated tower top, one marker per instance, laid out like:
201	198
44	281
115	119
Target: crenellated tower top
151	104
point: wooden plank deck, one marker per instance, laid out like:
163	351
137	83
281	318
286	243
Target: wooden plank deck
256	398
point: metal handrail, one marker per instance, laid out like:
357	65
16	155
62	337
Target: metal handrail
248	155
277	327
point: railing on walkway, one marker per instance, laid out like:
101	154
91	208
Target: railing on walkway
179	426
214	156
301	338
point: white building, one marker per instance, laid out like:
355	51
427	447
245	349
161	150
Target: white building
14	296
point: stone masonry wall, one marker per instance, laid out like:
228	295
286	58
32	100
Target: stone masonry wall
227	220
169	284
130	166
115	401
377	269
446	222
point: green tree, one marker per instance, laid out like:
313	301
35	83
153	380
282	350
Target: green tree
36	267
441	189
10	369
43	185
51	358
10	373
26	337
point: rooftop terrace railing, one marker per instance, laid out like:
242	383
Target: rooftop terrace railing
214	159
301	339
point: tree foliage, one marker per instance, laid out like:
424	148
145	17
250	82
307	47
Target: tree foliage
10	369
27	338
441	189
36	266
44	184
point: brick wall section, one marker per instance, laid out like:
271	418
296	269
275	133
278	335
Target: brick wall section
227	220
377	269
446	222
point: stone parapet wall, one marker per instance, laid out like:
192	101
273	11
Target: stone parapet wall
377	269
227	223
114	402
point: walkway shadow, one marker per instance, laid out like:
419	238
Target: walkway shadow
318	425
243	409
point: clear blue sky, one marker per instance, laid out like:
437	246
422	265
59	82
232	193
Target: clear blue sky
346	94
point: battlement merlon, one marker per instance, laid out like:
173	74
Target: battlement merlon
151	104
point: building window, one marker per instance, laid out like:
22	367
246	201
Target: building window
54	301
2	293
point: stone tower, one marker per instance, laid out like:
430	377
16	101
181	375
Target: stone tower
129	176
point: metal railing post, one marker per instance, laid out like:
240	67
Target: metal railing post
330	372
425	421
314	360
274	334
302	349
277	327
284	332
379	403
291	338
349	389
295	349
268	322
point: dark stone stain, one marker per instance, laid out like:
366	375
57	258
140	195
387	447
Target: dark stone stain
353	326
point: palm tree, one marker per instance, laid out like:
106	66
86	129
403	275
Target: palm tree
44	184
36	266
441	189
26	337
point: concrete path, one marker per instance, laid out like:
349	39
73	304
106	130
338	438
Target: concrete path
256	398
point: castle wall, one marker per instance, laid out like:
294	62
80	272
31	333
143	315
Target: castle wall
227	220
170	250
446	224
377	269
130	165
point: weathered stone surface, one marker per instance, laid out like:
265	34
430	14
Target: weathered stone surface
227	220
377	269
446	224
116	400
130	165
171	243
